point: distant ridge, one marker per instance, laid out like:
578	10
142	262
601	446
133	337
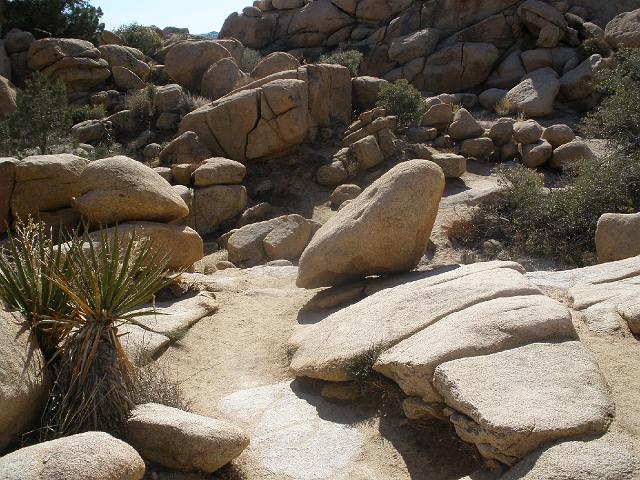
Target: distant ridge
210	35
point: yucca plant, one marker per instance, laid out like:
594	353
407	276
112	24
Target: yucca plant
28	262
105	281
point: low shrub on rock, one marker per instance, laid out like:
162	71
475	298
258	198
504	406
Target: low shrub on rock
349	58
402	100
145	39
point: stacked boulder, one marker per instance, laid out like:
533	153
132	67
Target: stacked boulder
436	48
367	142
14	50
274	115
61	190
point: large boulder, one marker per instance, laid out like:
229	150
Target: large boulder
535	94
418	44
281	238
624	30
119	189
7	98
366	91
221	78
45	183
459	67
577	84
186	62
274	63
275	114
127	57
216	204
90	456
570	153
185	148
400	206
76	62
23	380
218	171
617	236
464	126
252	32
183	441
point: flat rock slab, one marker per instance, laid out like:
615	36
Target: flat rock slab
482	329
326	349
289	437
141	345
605	293
600	459
512	402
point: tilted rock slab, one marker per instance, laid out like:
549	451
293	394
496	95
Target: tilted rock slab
512	402
482	329
385	229
90	456
274	114
325	350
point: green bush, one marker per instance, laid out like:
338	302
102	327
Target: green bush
617	119
402	100
145	39
87	112
142	103
557	222
350	59
42	116
60	18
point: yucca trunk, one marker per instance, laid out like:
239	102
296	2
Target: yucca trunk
93	387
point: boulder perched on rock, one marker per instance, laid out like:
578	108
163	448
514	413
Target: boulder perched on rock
216	204
185	148
281	238
535	154
186	62
464	126
126	57
343	193
400	206
618	236
535	94
126	80
76	62
526	132
221	78
118	189
7	98
366	91
183	441
624	30
23	380
558	135
274	63
45	183
218	171
91	455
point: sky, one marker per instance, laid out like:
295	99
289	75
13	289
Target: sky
199	16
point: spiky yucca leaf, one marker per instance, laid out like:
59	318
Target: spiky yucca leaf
106	280
28	263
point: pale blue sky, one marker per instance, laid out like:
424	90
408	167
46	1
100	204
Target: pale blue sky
199	16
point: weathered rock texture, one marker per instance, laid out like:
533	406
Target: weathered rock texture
273	115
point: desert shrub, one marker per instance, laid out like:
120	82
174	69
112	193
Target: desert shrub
349	58
142	104
191	101
145	39
557	222
250	59
42	116
504	107
60	18
617	119
402	100
87	112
